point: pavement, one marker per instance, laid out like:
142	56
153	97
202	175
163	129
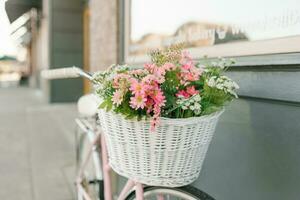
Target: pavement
37	153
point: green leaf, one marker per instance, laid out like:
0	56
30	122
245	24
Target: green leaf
102	105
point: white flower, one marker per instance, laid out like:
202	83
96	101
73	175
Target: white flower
211	82
235	85
202	66
192	100
197	106
193	103
223	83
220	86
184	107
197	112
215	64
228	84
197	98
233	93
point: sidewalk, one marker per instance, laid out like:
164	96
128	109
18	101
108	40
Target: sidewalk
37	154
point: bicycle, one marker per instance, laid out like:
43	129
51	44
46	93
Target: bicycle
94	179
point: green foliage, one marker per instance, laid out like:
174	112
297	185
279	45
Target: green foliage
213	99
106	104
170	88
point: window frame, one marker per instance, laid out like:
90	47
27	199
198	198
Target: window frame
270	52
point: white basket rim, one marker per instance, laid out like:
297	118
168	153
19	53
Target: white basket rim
173	121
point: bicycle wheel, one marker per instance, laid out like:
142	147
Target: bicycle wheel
92	177
186	192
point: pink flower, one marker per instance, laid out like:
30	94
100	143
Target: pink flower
196	71
158	97
183	93
160	75
118	97
121	80
149	104
186	58
138	101
189	72
189	76
158	72
186	67
191	90
155	119
136	86
150	67
137	72
149	79
168	66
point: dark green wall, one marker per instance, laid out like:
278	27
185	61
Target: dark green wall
254	153
66	47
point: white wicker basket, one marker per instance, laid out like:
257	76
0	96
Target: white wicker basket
171	156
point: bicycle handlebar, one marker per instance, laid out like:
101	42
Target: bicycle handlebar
67	72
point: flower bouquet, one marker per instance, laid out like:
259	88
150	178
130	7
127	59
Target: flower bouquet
158	120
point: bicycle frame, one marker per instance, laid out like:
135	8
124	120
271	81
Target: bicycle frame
99	140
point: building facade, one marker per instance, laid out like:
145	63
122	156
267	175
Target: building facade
53	38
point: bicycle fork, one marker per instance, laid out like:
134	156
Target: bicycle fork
95	141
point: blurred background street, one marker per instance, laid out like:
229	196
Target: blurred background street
37	152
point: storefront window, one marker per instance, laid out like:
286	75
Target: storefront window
215	27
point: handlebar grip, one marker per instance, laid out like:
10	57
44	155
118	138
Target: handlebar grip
68	72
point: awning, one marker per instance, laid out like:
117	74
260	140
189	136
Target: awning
16	8
21	29
10	58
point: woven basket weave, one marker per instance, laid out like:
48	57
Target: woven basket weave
171	156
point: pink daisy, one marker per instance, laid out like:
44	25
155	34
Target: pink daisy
138	101
137	72
121	80
149	104
159	97
186	58
155	119
117	97
186	67
183	94
150	67
191	90
168	66
137	87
